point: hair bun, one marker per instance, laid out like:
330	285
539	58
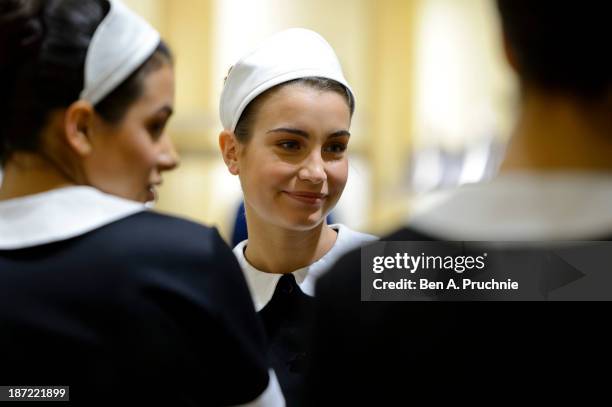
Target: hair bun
20	30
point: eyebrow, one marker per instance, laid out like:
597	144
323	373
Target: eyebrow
302	133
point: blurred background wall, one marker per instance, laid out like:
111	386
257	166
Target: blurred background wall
435	100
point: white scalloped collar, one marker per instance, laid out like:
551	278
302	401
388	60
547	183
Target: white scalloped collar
59	214
521	206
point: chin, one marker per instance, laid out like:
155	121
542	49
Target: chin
141	198
303	223
122	194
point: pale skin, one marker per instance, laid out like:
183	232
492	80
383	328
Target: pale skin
78	147
292	170
557	132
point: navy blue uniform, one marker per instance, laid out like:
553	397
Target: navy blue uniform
148	308
382	352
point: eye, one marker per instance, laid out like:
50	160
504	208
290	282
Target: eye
156	128
335	148
289	145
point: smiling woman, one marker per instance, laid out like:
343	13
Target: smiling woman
114	141
294	167
96	292
129	157
286	109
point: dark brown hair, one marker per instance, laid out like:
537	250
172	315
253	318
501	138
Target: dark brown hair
43	45
247	118
561	45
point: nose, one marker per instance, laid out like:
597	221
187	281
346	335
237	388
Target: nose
313	169
168	158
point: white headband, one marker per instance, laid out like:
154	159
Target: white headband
122	42
288	55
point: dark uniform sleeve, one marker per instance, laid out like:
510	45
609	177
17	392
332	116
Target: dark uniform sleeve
193	329
149	310
334	342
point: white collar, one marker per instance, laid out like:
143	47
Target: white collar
59	214
262	285
521	206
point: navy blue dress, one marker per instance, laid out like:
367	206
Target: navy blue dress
386	352
148	309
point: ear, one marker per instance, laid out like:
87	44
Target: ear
78	125
229	149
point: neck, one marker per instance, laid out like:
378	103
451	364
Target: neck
277	250
559	134
29	173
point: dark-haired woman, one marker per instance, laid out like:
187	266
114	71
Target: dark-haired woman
96	292
286	109
555	185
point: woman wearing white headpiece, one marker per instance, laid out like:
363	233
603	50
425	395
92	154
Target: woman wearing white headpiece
96	292
286	110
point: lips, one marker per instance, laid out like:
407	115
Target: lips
309	198
152	192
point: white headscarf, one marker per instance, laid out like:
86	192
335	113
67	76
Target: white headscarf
288	55
122	42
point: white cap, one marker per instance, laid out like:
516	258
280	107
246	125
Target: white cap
121	44
288	55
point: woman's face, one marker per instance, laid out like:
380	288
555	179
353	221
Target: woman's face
128	158
294	167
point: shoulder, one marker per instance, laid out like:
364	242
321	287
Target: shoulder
409	234
149	230
346	241
350	237
155	249
350	241
238	250
245	266
150	221
346	272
